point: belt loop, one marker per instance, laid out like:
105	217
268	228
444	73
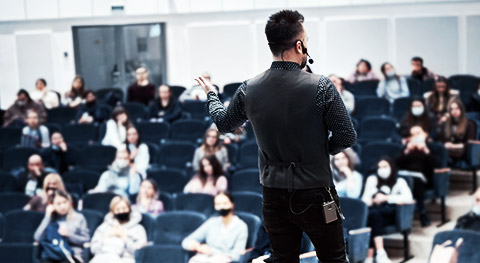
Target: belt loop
290	174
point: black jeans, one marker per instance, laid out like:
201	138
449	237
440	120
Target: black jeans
285	227
380	216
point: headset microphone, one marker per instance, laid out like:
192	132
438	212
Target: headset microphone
304	50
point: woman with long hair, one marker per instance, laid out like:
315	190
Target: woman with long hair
147	199
116	131
39	202
363	72
75	96
392	86
348	181
418	115
212	145
209	179
437	100
139	155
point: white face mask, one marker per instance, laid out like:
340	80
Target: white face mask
417	111
390	73
122	163
476	210
419	139
384	173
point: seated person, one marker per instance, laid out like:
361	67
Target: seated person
209	179
474	104
196	92
42	94
456	130
31	181
90	112
348	182
165	107
76	95
392	86
419	71
347	97
139	155
363	72
116	131
418	114
383	191
437	100
34	135
211	146
72	226
120	178
142	90
41	200
221	238
147	199
16	114
120	234
471	220
58	155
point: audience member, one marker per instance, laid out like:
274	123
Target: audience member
438	99
91	111
383	191
471	220
474	104
75	96
120	234
17	113
221	238
419	71
34	135
196	92
363	72
62	218
31	181
456	130
58	155
42	94
211	146
417	157
347	96
116	131
348	182
139	155
142	90
165	107
209	179
392	86
121	177
40	201
419	115
147	199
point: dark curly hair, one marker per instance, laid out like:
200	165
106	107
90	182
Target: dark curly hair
282	28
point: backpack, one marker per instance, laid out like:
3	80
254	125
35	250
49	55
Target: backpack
54	246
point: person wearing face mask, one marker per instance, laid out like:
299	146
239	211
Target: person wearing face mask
58	155
147	199
166	107
363	72
437	100
383	191
90	112
212	145
348	181
121	177
34	135
471	220
120	234
419	115
209	179
72	226
392	86
41	200
417	157
221	238
347	97
456	130
16	114
116	131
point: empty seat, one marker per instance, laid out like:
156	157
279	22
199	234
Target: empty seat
137	112
249	202
172	227
371	106
167	200
161	253
248	155
153	152
96	156
8	183
9	137
356	213
153	131
98	202
232	149
202	203
21	225
254	224
17	157
61	115
377	128
372	152
467	85
80	134
148	223
364	88
188	130
246	180
80	179
110	96
400	107
12	201
196	108
16	252
230	89
169	180
177	90
176	154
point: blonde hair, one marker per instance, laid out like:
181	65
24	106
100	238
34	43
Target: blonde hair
53	178
117	200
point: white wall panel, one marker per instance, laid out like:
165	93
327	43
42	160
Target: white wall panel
12	10
9	71
75	8
473	45
42	9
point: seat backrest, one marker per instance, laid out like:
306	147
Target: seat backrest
196	108
167	200
80	133
468	251
400	107
86	179
161	253
97	155
230	89
246	180
148	223
232	149
12	201
467	85
17	157
21	225
355	212
61	115
177	90
2	226
372	152
253	223
94	219
172	227
414	86
153	152
154	131
250	202
136	111
377	128
371	106
176	154
364	88
109	95
98	202
169	180
202	203
188	130
248	155
8	182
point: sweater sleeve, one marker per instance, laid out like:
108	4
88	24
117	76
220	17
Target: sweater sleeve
137	237
405	92
370	189
198	235
400	193
82	233
240	243
41	228
45	137
142	159
98	237
354	190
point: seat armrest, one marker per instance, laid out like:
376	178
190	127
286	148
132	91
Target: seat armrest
441	181
473	153
404	216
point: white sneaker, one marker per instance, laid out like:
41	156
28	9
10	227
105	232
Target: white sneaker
382	257
368	260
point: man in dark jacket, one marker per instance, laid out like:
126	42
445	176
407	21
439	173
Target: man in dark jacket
299	120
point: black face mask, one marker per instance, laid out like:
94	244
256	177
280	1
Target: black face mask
224	212
90	103
122	217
